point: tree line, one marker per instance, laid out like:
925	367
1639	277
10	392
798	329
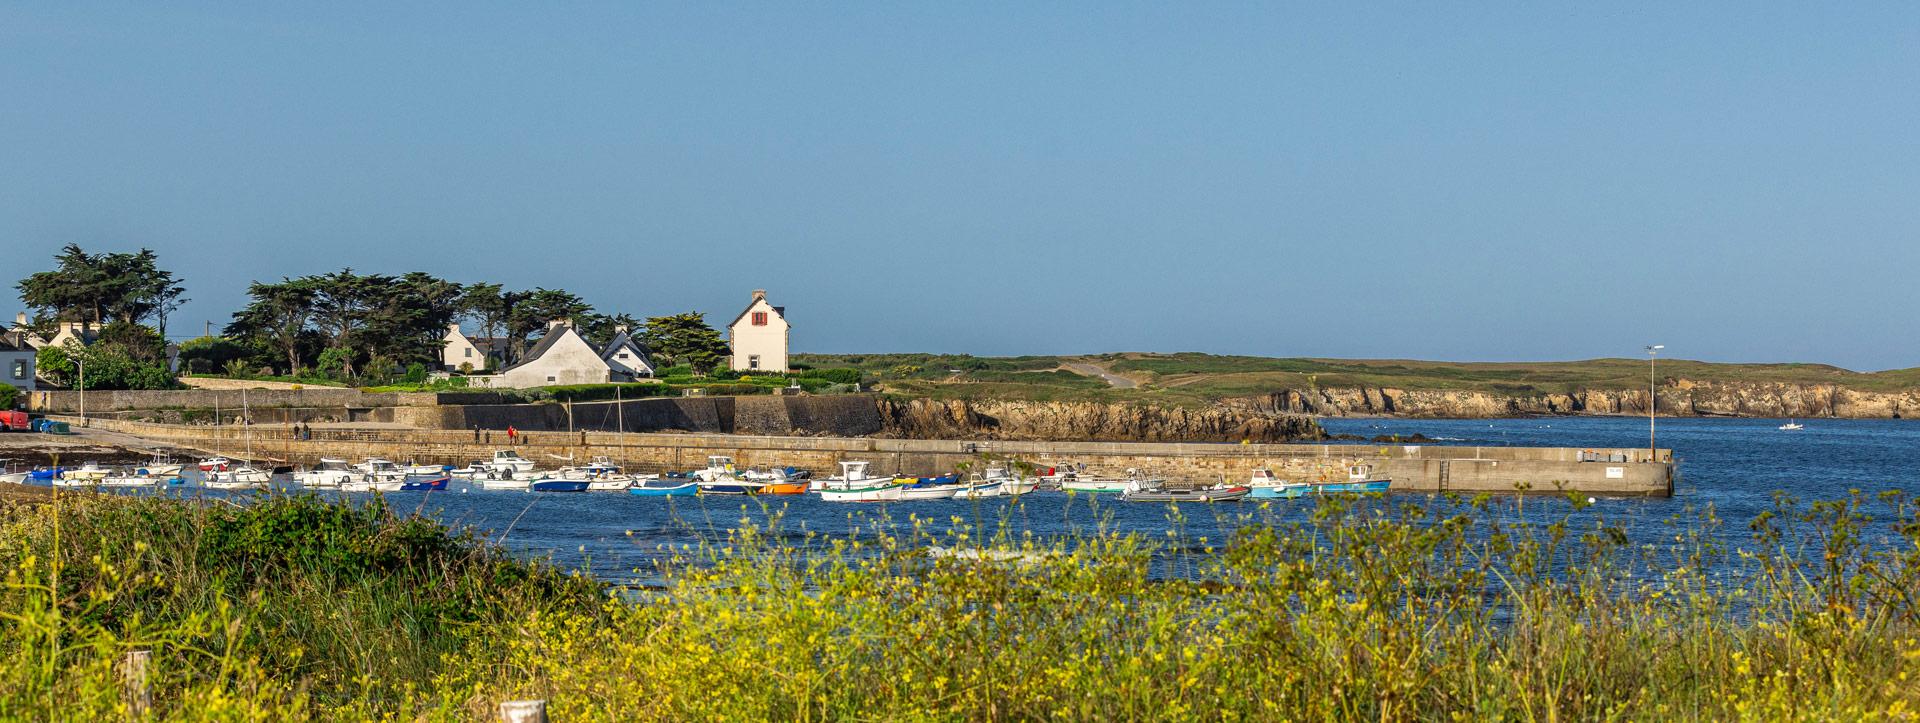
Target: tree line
342	325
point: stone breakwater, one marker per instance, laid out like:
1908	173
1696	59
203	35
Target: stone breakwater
1677	397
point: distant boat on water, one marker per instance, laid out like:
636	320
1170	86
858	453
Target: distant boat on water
1791	426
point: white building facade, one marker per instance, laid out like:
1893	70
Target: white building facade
758	337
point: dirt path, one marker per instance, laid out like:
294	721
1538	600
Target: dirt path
1095	370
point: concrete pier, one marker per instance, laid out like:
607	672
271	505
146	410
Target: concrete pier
1413	468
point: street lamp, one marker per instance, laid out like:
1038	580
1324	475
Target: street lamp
83	389
1653	454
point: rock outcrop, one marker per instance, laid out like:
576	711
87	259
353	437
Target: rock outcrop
1089	421
1678	397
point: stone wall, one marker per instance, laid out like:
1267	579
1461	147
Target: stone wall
1413	468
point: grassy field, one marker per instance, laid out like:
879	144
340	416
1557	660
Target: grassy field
292	608
1193	378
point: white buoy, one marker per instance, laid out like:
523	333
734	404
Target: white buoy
1591	500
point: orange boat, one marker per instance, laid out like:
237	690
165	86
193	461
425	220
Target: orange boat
785	488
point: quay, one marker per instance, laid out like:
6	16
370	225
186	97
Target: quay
1607	472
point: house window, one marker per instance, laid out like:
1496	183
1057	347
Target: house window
624	357
468	351
759	318
19	368
753	361
549	378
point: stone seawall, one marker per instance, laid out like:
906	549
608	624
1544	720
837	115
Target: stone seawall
1413	468
1676	397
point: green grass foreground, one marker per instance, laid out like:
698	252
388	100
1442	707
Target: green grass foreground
294	608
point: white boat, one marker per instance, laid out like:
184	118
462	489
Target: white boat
138	478
719	467
363	482
855	485
330	474
979	489
15	478
1133	482
87	473
424	470
510	460
1791	426
504	479
161	466
240	477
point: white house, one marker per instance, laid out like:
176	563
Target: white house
473	352
759	336
562	356
83	331
16	361
626	355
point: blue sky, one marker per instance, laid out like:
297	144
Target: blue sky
1738	181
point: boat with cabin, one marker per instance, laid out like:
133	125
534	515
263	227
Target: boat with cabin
1133	482
1360	480
329	474
855	485
1165	493
664	487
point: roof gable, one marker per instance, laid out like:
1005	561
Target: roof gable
554	337
623	341
778	311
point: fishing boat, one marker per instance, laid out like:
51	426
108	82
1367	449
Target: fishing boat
781	481
511	460
1791	426
731	486
664	487
1264	484
45	474
215	464
89	472
384	474
1186	494
427	483
1360	480
718	467
161	466
855	485
330	474
1133	482
785	486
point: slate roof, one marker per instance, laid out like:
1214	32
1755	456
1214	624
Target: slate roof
781	310
621	339
546	342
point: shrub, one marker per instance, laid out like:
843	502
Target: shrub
9	396
839	375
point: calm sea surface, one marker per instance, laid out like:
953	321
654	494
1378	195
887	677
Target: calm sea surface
1733	465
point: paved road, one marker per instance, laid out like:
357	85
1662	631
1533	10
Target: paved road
1095	370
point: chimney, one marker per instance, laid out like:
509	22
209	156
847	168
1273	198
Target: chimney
619	328
759	294
453	328
20	319
557	323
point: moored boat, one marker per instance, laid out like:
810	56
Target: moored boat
329	474
428	483
855	485
1360	480
215	464
1133	482
1185	494
664	487
89	472
237	477
557	484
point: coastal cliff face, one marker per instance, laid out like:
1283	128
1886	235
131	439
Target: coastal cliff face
1678	397
1090	421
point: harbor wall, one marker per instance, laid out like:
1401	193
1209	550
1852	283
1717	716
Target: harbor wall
1414	468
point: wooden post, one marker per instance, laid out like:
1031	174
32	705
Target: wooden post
133	683
523	711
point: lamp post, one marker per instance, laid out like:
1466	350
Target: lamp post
83	389
1653	454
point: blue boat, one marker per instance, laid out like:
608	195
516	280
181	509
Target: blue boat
556	484
45	474
420	484
665	487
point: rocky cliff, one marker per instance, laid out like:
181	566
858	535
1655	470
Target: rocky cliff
1090	421
1678	397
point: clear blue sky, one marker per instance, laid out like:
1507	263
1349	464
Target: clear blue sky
1739	181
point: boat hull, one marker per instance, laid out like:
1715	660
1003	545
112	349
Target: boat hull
558	485
1307	490
880	493
424	485
647	490
1228	494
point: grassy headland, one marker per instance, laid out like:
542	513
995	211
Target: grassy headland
1195	378
295	608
